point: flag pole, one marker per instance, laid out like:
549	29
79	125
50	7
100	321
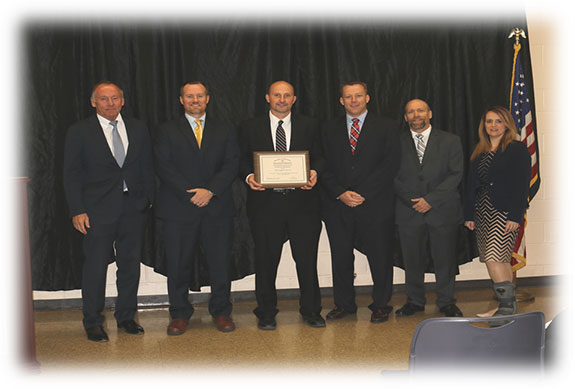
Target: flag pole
517	33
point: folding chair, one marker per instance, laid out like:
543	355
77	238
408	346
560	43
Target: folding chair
448	343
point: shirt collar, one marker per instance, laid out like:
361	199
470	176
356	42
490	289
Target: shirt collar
360	117
105	122
274	120
425	133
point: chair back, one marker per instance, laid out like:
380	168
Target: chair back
454	342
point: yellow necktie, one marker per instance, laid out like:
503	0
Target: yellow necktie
198	132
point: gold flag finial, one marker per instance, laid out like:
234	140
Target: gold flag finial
517	32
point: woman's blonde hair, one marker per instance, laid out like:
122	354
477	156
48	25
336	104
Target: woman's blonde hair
510	134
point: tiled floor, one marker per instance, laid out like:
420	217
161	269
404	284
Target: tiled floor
351	345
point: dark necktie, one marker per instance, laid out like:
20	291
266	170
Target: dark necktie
281	144
354	134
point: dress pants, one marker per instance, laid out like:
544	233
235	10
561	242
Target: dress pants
125	235
442	243
288	219
344	230
214	237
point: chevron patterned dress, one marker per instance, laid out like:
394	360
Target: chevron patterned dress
492	241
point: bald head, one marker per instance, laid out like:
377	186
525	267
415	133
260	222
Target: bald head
281	98
417	115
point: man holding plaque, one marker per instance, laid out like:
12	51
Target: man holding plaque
277	211
197	161
361	154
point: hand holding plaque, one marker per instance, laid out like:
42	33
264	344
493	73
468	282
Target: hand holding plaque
286	169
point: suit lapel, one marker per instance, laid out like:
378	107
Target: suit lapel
431	147
188	133
100	142
410	147
130	153
265	134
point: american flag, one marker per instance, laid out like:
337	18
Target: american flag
520	107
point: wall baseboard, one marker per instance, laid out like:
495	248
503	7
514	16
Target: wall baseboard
161	301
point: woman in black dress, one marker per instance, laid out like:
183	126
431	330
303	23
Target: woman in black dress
496	199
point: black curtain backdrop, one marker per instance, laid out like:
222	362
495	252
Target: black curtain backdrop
459	68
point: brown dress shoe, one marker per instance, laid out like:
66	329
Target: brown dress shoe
178	326
224	323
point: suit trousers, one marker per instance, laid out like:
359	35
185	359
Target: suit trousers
344	230
287	220
442	243
125	236
214	237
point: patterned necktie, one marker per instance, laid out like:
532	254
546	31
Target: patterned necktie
119	152
198	132
354	134
420	147
281	144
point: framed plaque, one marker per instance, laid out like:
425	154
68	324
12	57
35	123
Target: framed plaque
284	169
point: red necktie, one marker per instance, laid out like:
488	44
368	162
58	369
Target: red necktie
354	134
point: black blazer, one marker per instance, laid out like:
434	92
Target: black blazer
255	135
182	165
437	180
92	177
369	172
509	177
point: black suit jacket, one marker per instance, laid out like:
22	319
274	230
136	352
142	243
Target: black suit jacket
255	135
370	172
93	181
509	176
182	165
437	180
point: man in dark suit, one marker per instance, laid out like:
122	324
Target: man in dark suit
109	184
197	161
361	160
428	208
277	214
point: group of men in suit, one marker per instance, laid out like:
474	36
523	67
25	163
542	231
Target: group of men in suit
357	160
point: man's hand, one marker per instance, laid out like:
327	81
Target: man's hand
351	199
312	180
470	225
420	205
81	222
253	184
201	196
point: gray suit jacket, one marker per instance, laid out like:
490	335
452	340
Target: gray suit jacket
436	180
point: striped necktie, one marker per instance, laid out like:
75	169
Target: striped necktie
420	147
281	144
354	134
117	144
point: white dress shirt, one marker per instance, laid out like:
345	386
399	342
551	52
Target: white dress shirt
107	129
286	125
425	134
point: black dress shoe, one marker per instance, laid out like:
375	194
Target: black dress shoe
97	334
267	323
451	310
409	309
337	313
380	315
131	327
314	320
